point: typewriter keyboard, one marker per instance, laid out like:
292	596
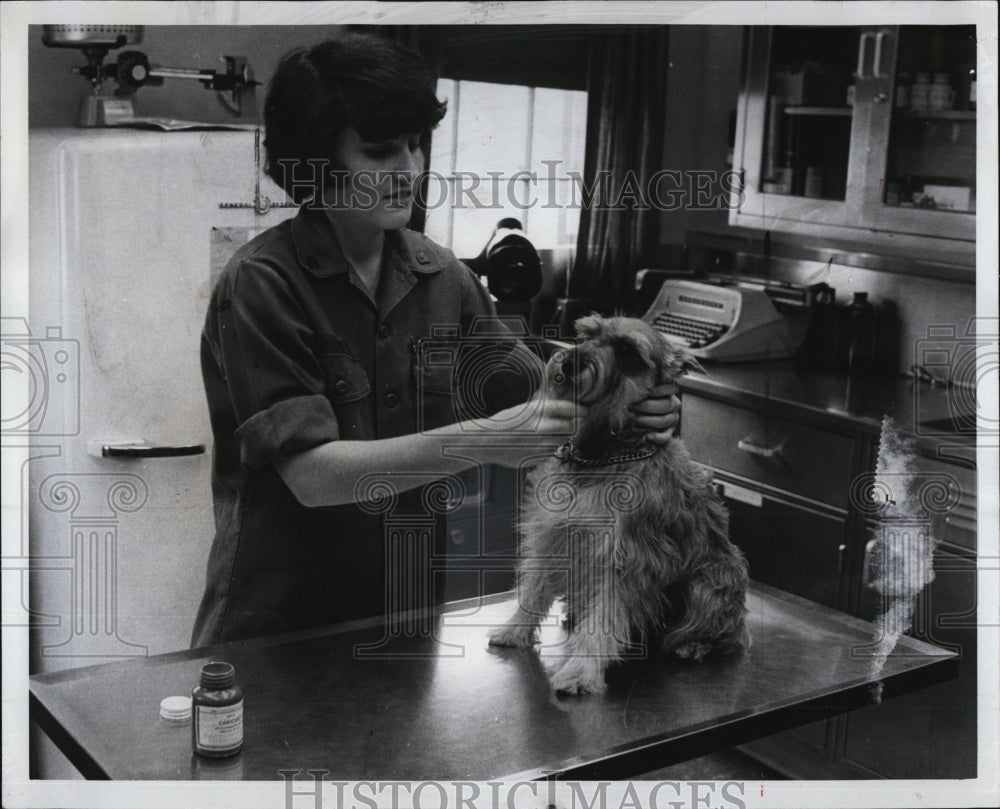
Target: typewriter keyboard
692	333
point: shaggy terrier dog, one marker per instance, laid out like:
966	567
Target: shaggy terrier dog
631	535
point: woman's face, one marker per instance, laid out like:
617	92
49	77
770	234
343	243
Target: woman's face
374	186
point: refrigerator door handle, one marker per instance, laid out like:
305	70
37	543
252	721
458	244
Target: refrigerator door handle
141	449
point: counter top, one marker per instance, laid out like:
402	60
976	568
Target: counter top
450	707
851	404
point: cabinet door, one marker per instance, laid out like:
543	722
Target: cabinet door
788	546
830	143
797	129
919	173
478	554
929	733
801	551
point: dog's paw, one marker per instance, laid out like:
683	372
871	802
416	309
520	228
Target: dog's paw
695	650
578	678
523	637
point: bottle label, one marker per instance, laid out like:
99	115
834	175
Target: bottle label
219	728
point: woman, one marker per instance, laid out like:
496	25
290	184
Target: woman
311	353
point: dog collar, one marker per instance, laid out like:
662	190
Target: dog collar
566	453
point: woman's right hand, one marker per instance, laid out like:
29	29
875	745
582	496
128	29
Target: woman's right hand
531	431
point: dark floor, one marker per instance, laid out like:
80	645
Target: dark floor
723	765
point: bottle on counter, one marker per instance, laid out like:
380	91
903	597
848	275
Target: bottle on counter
857	335
217	712
819	348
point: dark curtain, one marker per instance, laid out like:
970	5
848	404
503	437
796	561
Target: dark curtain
626	109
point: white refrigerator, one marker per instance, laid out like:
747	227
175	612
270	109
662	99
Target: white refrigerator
126	230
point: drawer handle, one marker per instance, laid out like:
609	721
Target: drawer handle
877	61
140	449
868	574
862	52
746	445
960	523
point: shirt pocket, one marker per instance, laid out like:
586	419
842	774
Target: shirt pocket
434	377
434	366
346	378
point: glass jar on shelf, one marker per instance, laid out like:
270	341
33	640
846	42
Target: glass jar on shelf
941	95
920	92
904	82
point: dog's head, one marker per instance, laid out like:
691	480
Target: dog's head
614	364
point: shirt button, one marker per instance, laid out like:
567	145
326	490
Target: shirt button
422	257
340	387
391	400
384	330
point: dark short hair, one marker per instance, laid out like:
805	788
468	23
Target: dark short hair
380	87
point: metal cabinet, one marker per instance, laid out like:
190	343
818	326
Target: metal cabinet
478	554
787	485
938	724
787	510
852	131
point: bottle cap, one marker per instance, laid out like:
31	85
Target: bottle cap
175	709
218	674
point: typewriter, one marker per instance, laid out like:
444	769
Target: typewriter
732	320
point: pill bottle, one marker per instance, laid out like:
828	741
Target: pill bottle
217	706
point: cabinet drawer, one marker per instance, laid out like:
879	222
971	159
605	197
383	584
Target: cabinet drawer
792	457
954	518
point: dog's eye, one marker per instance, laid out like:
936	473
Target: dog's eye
628	359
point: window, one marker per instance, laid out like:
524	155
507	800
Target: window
506	151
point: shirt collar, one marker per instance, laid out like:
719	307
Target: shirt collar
319	253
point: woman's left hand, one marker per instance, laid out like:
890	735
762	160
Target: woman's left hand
659	413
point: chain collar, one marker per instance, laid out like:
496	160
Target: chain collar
566	453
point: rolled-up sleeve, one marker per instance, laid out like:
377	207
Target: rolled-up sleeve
264	349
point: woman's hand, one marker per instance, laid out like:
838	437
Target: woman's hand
528	432
659	413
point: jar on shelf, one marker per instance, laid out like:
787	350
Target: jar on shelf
920	92
941	95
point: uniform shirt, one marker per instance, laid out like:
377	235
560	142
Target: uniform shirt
296	352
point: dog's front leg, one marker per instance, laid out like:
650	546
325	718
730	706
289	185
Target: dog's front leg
595	641
536	590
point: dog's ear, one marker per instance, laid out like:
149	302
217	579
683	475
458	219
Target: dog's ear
681	359
689	363
589	325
